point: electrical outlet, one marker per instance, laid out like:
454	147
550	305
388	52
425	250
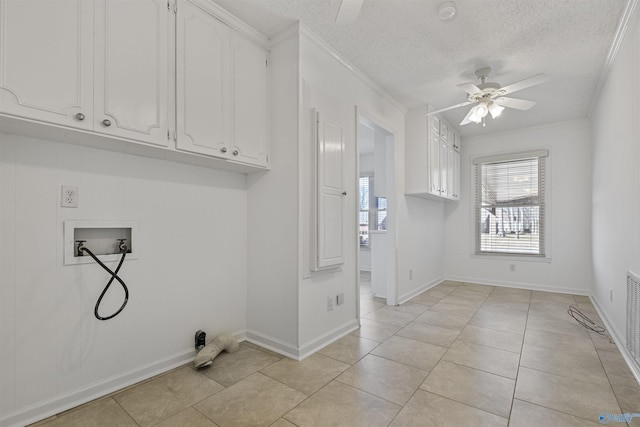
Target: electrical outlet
340	298
611	294
69	197
512	267
329	303
410	274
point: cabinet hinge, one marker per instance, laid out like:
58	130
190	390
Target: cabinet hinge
175	136
172	6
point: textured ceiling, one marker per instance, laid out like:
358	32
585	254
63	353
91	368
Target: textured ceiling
402	45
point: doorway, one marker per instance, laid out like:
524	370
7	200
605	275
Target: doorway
376	216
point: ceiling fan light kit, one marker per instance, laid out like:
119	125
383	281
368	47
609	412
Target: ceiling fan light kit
490	98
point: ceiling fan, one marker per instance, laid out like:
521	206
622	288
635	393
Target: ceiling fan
490	97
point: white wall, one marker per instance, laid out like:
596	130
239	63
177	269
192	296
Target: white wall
568	211
419	225
616	181
272	216
191	271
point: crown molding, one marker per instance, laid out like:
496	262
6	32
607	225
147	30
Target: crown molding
623	26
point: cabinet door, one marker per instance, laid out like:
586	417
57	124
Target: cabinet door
434	165
249	73
456	174
330	192
131	75
444	173
451	172
203	105
46	63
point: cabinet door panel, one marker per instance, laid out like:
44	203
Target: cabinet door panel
203	103
46	64
434	165
249	73
132	69
444	175
451	172
330	185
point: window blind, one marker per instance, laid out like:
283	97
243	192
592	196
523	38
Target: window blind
510	204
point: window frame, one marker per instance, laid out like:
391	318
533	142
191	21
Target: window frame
543	157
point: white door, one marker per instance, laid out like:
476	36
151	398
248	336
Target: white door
203	83
131	74
249	73
46	61
330	192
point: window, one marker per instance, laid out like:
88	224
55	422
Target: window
510	204
373	211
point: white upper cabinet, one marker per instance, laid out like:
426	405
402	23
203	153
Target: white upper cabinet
432	156
46	61
202	72
250	90
107	67
131	69
221	89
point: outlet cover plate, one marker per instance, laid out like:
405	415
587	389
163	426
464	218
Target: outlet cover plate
69	197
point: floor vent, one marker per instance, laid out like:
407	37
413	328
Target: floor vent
633	316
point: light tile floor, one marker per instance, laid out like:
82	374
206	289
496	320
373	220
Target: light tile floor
457	355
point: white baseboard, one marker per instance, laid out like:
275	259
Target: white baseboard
66	401
520	285
311	347
619	339
270	343
58	404
305	350
408	295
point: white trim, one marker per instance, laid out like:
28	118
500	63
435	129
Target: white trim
506	257
79	396
621	31
232	21
510	157
274	344
368	81
415	292
324	340
618	340
520	285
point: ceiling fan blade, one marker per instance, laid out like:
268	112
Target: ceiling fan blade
470	88
462	104
523	84
348	11
518	104
466	119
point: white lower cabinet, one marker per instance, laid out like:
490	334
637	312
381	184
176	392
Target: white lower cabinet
221	89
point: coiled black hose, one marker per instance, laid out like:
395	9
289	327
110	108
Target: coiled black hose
114	275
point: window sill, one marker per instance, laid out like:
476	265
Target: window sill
505	257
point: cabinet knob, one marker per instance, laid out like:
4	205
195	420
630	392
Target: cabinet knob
223	150
236	152
344	193
79	116
106	122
